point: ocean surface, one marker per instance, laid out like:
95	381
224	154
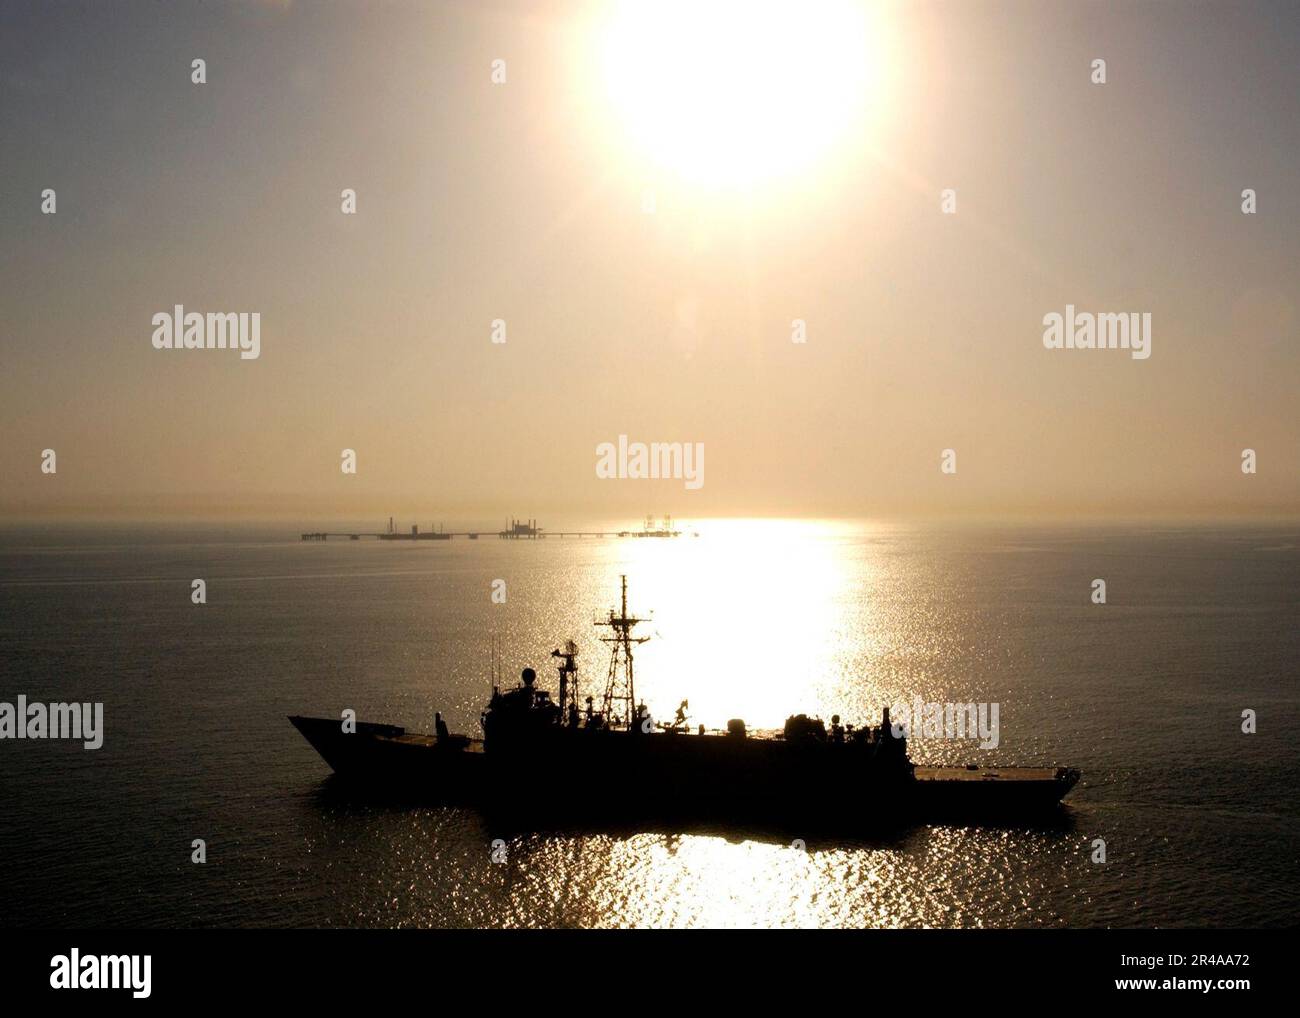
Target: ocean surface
752	619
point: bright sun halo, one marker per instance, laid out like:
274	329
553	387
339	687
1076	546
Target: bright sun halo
730	93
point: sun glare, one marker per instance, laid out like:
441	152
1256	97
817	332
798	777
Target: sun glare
726	93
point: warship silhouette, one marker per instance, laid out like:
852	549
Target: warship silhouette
550	758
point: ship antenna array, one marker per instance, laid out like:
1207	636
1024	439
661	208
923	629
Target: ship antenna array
619	688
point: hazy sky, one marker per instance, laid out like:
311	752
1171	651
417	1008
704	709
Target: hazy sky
526	201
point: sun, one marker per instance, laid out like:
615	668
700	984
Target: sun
730	93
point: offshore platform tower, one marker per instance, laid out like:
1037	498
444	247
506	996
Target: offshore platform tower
619	688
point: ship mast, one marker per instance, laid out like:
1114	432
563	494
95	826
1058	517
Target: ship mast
494	663
619	688
568	669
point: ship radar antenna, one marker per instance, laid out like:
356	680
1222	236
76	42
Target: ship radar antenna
619	688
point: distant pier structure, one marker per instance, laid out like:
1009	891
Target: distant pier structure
521	529
515	530
391	534
653	528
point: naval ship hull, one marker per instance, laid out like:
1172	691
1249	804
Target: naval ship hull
651	777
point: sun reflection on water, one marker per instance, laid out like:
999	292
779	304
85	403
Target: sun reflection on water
758	619
703	880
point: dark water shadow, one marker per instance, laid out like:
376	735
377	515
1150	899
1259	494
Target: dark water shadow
339	796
